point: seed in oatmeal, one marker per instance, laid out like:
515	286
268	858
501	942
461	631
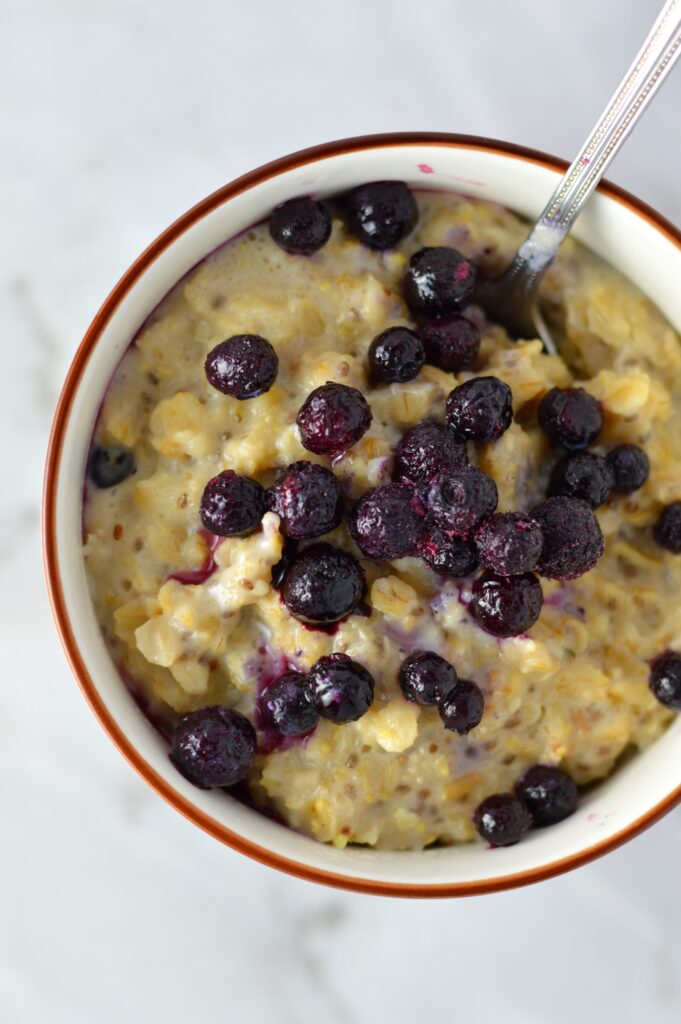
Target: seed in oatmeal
231	505
451	343
340	689
426	678
395	356
460	499
244	366
425	450
381	213
308	498
506	605
480	410
502	819
111	466
463	708
665	680
324	584
509	543
213	746
447	554
667	530
570	417
573	542
285	708
332	418
301	226
387	522
549	794
582	475
630	466
439	281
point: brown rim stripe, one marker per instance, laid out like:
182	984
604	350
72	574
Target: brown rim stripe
51	560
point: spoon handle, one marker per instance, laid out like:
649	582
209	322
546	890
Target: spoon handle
650	67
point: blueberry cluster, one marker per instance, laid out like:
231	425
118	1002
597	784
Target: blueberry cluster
544	796
427	679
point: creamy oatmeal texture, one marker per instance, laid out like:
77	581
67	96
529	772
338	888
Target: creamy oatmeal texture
572	692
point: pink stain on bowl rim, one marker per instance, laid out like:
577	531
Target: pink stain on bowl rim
599	820
425	168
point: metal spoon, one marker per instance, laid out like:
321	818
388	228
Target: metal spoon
511	299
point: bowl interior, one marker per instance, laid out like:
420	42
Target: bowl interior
628	239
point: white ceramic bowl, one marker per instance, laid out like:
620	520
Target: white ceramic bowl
634	239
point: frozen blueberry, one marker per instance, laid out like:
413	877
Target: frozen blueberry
509	543
582	475
309	500
301	226
451	343
332	418
630	466
549	794
111	466
447	554
667	529
285	708
506	605
463	708
573	541
570	417
231	505
425	450
502	819
387	522
381	213
459	499
480	410
665	680
340	689
439	281
426	678
323	585
213	746
395	356
243	366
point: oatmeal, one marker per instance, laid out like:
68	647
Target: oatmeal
402	577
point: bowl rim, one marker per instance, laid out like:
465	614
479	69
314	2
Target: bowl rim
50	548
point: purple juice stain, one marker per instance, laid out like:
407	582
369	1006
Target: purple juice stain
196	576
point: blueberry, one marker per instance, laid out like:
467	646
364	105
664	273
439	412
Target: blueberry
426	678
509	543
573	541
502	819
213	746
630	466
395	356
387	522
323	584
463	708
665	680
425	450
506	605
480	410
111	466
309	500
285	707
231	505
549	794
301	226
447	554
667	529
570	417
439	281
381	213
332	418
340	689
459	499
243	366
452	343
582	475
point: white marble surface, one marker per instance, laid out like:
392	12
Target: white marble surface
116	115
